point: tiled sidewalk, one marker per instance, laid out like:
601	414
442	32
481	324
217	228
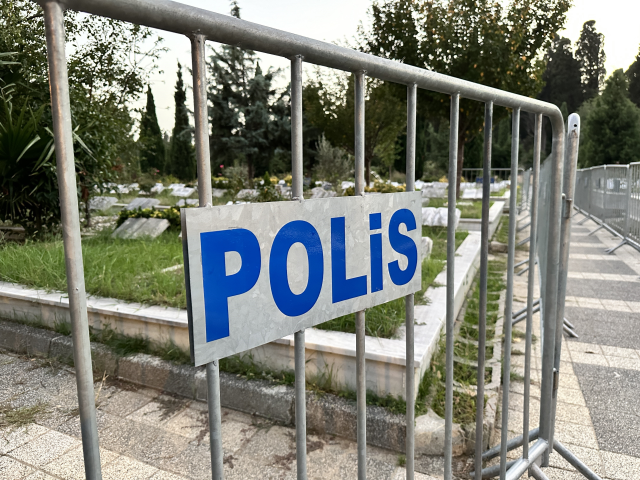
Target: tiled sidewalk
600	371
148	435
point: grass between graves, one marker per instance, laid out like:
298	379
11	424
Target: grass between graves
384	320
468	208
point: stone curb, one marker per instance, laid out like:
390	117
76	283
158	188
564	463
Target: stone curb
326	414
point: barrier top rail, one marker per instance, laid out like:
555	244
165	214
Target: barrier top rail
179	18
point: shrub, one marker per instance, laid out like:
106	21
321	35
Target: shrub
172	214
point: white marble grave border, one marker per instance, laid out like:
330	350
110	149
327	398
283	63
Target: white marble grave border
327	352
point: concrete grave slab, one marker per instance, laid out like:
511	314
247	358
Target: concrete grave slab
142	203
102	203
133	228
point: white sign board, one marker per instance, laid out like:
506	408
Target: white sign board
259	272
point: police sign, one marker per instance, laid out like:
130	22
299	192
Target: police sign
259	272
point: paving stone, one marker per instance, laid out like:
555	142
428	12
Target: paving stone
12	438
600	266
125	468
620	467
71	465
45	448
581	435
590	457
619	331
11	469
39	476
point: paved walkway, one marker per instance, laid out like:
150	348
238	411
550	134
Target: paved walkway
598	405
145	434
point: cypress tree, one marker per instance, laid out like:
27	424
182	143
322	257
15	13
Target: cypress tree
590	54
151	143
562	76
633	73
182	162
611	129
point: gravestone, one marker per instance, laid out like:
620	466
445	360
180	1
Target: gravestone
427	246
217	192
434	190
102	203
247	193
472	194
188	201
142	203
157	188
183	192
319	192
141	227
438	217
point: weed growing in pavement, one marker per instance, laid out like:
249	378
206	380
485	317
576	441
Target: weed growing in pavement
21	416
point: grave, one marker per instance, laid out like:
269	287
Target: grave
183	192
217	192
319	192
142	203
102	203
438	217
188	201
141	227
434	190
427	247
247	193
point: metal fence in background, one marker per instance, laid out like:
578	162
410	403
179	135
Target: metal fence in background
610	196
551	246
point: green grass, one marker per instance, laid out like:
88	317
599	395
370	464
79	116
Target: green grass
21	416
384	320
499	193
468	208
129	270
431	391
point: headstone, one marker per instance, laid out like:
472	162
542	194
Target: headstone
247	193
427	246
142	203
141	227
346	185
183	192
434	190
472	194
319	192
438	217
157	188
102	203
217	192
188	201
284	190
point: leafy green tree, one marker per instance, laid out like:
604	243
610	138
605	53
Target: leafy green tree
150	141
611	126
330	107
109	64
633	73
476	40
182	160
332	163
250	122
590	54
562	77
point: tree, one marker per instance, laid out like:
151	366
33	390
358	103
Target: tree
633	74
109	64
330	107
250	123
611	126
150	141
476	40
181	161
562	77
590	54
332	163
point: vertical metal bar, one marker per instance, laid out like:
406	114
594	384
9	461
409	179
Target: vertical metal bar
65	168
215	419
361	378
451	255
568	189
508	310
549	284
412	92
296	194
205	199
201	116
533	232
628	203
484	273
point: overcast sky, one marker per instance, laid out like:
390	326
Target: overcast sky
338	20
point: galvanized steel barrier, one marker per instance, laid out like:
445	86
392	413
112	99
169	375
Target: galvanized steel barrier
610	196
200	26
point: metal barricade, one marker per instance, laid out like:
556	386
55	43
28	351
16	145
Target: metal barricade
610	196
201	26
